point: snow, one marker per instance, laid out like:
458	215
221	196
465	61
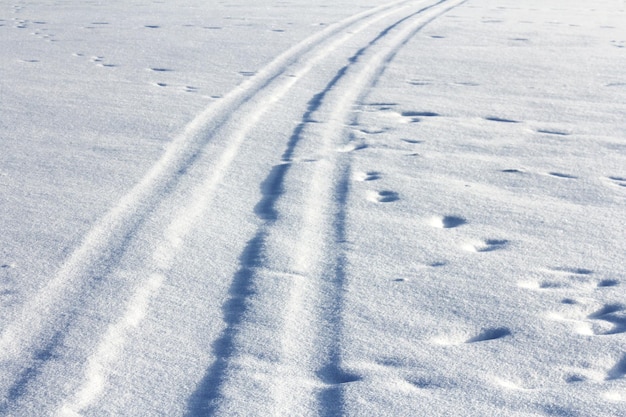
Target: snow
309	208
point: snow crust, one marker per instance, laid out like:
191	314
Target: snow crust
310	208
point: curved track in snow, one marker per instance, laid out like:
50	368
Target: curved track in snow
144	310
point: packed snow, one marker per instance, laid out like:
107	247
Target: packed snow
313	208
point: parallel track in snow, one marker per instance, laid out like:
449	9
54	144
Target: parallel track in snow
82	332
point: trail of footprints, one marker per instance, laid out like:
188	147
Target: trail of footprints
588	316
387	111
450	221
588	313
603	320
40	30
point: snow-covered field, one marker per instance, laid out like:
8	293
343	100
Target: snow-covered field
313	208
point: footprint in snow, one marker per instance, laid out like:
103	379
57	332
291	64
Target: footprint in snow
447	222
367	176
563	277
485	335
543	284
610	319
466	83
619	370
374	130
412	141
384	196
420	82
553	132
570	270
491	333
352	146
379	106
500	120
487	245
416	116
608	283
619	181
562	175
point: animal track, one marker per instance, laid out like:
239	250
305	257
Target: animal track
568	277
608	283
487	245
570	270
618	44
374	131
352	146
420	82
619	370
608	320
553	132
384	196
447	222
611	314
412	141
561	175
415	116
501	120
619	181
490	334
485	335
367	176
543	285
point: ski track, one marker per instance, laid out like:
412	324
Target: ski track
322	230
313	366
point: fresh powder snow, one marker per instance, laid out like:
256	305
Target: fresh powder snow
313	208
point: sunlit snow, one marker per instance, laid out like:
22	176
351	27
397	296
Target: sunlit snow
313	208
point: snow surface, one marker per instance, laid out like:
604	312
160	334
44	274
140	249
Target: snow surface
312	208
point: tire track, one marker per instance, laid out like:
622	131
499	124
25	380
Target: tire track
304	377
42	324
